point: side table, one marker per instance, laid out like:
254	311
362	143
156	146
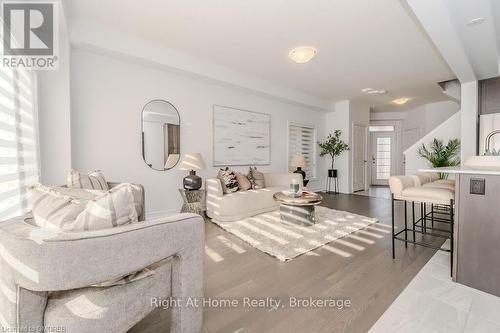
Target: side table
194	201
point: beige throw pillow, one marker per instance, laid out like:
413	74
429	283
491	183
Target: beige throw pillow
111	209
243	182
256	178
86	195
92	181
53	210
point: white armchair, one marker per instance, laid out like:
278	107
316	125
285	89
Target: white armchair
45	277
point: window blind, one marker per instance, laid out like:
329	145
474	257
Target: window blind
302	141
19	164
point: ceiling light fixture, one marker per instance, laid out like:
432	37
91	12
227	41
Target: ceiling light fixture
302	54
401	101
377	92
371	91
476	21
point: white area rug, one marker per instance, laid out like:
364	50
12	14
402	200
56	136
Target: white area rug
286	241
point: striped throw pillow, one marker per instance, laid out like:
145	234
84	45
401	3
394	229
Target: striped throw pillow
92	181
111	209
86	195
52	210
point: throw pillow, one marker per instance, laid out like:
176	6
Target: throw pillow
86	195
228	181
243	182
111	209
136	193
256	178
92	181
53	210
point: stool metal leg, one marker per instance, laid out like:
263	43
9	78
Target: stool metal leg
432	215
393	247
406	225
425	217
451	235
413	224
422	217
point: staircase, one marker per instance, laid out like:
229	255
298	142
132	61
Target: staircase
449	129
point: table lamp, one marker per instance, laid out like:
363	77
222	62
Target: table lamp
299	162
192	162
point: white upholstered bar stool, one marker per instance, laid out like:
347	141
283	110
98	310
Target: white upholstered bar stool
434	179
405	188
437	212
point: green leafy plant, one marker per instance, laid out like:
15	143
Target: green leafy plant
333	146
440	155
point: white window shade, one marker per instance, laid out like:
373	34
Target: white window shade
18	140
302	141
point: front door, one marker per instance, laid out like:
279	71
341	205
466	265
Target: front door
383	157
359	158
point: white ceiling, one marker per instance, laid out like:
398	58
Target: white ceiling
361	43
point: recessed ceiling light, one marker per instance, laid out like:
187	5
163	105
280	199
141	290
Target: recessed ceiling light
366	90
377	92
476	21
302	54
401	101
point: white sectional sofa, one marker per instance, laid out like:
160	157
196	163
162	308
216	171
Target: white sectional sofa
242	204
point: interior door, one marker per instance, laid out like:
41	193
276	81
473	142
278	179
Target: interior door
383	157
359	157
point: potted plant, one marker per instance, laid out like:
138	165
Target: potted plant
440	155
333	146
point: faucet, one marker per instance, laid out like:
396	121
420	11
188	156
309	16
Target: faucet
487	141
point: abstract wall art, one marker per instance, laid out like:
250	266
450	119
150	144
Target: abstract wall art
241	137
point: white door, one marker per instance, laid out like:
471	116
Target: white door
383	157
359	158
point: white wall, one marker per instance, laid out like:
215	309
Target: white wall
344	115
108	94
339	119
54	114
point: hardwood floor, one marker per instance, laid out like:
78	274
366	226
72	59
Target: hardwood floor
358	267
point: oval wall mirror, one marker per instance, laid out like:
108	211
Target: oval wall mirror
160	135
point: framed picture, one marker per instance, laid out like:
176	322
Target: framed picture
241	137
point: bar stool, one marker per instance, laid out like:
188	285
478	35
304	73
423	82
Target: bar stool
404	188
437	213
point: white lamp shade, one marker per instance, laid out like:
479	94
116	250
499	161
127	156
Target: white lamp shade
192	161
298	161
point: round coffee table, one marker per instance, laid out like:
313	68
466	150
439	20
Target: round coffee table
298	210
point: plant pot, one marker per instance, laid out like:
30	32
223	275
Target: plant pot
332	173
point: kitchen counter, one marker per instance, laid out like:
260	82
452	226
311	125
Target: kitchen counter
477	227
462	170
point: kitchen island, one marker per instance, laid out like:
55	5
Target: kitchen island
476	261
